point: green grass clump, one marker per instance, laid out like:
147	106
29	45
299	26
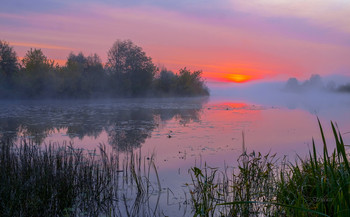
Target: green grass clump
316	186
320	183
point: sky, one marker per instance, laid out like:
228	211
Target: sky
229	40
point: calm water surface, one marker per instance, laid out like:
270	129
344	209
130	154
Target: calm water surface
180	132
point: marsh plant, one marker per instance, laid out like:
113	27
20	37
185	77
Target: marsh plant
60	180
64	181
263	185
253	180
320	183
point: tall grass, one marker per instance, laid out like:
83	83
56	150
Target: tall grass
64	181
320	183
262	185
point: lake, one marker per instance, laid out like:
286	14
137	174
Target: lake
180	133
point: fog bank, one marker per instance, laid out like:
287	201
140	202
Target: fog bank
314	95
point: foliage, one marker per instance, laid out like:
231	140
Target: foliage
37	74
82	76
129	72
165	83
8	68
190	83
185	83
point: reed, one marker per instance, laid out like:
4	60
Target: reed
262	185
320	183
64	181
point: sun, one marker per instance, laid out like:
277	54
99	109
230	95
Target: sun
238	78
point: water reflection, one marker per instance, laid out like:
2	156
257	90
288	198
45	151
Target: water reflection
128	123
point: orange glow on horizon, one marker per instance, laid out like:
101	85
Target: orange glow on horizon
60	62
231	77
239	78
238	72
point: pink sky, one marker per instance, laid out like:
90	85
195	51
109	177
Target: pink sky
230	40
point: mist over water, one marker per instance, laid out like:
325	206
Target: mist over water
320	99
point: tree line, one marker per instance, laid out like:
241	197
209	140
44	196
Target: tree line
128	72
315	82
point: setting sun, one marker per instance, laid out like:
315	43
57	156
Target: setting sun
238	78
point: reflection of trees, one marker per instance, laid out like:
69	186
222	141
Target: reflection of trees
184	116
128	123
131	129
37	133
8	129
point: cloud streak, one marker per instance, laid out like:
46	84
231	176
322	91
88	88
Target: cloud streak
35	45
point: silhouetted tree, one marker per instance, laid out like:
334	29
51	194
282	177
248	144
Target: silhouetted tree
292	85
165	83
128	72
70	75
190	83
314	83
344	88
95	74
38	74
131	71
82	76
8	68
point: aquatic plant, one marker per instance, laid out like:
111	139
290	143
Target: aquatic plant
263	185
320	183
60	180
